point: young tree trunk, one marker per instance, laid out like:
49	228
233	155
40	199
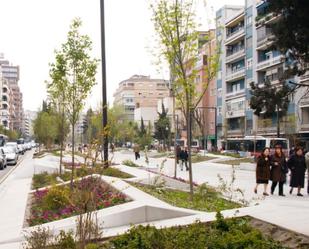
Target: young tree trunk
73	165
61	142
189	140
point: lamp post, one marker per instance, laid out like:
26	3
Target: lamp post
104	98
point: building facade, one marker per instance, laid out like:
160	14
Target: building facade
245	37
28	119
140	92
12	99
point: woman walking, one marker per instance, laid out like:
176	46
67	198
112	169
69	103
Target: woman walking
263	171
297	165
278	170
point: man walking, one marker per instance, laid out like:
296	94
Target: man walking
184	159
136	150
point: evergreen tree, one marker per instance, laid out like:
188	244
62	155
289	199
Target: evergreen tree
162	126
291	31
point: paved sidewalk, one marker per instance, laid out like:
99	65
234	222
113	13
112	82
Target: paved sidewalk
290	212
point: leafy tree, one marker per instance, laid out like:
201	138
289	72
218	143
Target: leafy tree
57	93
77	72
144	135
291	32
270	99
44	128
163	126
175	25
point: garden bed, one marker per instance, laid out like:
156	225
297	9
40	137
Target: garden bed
199	158
59	202
223	233
45	179
205	198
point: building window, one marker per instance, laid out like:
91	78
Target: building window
219	93
249	42
213	92
219	110
219	75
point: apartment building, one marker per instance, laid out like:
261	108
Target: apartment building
28	119
5	99
206	111
140	92
12	100
246	38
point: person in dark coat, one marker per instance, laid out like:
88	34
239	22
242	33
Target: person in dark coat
278	171
184	159
263	170
297	165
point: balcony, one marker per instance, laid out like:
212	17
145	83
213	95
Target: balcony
265	19
235	114
235	36
235	75
235	94
270	62
235	55
304	127
265	42
236	132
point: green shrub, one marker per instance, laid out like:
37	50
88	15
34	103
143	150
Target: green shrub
221	234
65	240
56	198
92	246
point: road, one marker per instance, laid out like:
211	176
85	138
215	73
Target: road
4	173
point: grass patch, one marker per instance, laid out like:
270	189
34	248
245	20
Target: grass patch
130	163
237	161
199	158
205	198
235	155
45	179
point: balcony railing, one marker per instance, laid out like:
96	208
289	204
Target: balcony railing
235	55
235	94
235	35
266	18
235	74
265	41
268	63
235	114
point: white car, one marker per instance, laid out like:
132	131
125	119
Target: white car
13	145
10	154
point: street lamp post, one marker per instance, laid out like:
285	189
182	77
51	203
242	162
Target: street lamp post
104	97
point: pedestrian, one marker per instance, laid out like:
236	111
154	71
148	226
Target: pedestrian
278	170
307	164
136	150
112	147
263	170
184	159
178	150
297	165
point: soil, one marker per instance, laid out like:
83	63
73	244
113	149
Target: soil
287	238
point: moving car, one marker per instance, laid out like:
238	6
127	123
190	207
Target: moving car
10	154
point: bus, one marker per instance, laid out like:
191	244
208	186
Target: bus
255	144
3	140
20	141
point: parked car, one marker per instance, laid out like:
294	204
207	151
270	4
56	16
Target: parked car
3	160
10	154
13	145
21	149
